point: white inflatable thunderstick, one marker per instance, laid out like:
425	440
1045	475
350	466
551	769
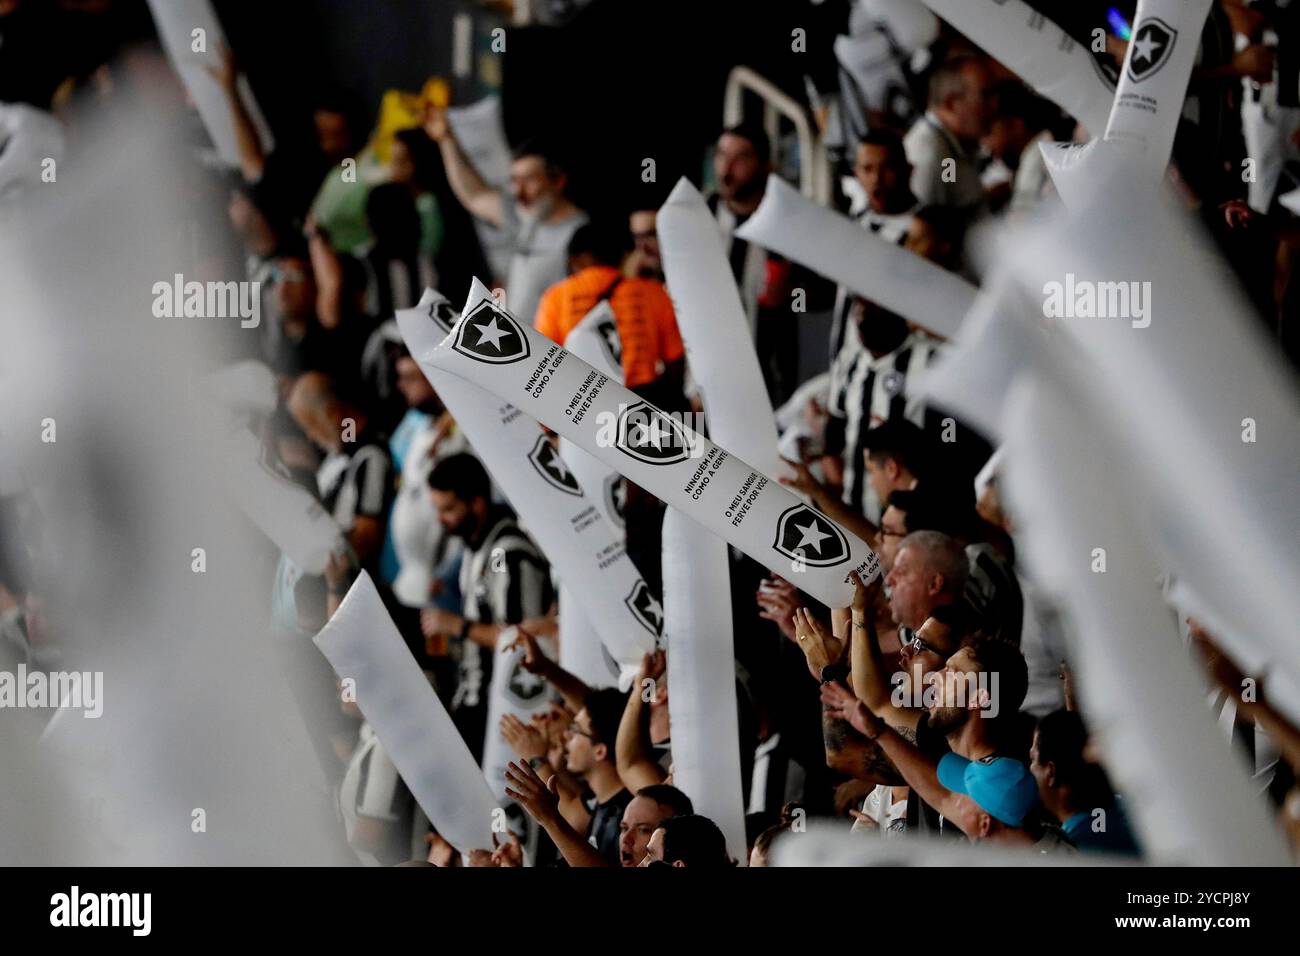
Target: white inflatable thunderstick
747	508
1148	103
567	524
1036	50
179	23
837	248
702	675
719	344
595	339
362	644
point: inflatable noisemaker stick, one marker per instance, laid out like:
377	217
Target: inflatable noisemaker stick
747	508
837	248
363	645
566	524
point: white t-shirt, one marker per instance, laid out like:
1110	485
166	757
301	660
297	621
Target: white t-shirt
418	538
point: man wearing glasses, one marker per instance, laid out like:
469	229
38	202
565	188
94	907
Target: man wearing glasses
589	755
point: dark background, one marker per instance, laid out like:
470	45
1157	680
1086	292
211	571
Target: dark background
619	82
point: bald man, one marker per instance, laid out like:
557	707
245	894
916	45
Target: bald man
355	480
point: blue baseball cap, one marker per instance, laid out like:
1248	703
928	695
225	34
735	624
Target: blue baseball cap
1001	786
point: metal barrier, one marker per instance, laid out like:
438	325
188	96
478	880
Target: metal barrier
814	168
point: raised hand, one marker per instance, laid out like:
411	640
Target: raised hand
842	705
818	647
778	600
864	595
534	660
508	854
540	800
802	481
525	740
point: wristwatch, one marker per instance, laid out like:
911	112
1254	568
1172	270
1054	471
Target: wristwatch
465	625
536	762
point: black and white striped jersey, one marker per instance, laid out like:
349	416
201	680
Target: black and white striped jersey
356	481
866	391
504	580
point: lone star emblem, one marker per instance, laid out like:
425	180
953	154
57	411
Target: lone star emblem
616	499
1153	43
524	685
650	436
490	334
646	608
548	463
810	537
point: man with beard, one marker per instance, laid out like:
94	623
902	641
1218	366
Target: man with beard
536	215
741	165
894	698
982	786
504	580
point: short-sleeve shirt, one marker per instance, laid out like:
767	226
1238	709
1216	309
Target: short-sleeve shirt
643	312
539	256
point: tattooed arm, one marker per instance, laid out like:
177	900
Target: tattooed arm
853	754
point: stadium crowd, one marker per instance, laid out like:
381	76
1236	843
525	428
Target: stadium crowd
855	714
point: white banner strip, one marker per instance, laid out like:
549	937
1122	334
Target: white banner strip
719	346
179	23
1153	83
595	340
362	644
566	524
837	248
702	675
1038	51
1139	695
286	513
685	470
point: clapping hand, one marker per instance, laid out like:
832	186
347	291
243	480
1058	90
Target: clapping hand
524	739
540	800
